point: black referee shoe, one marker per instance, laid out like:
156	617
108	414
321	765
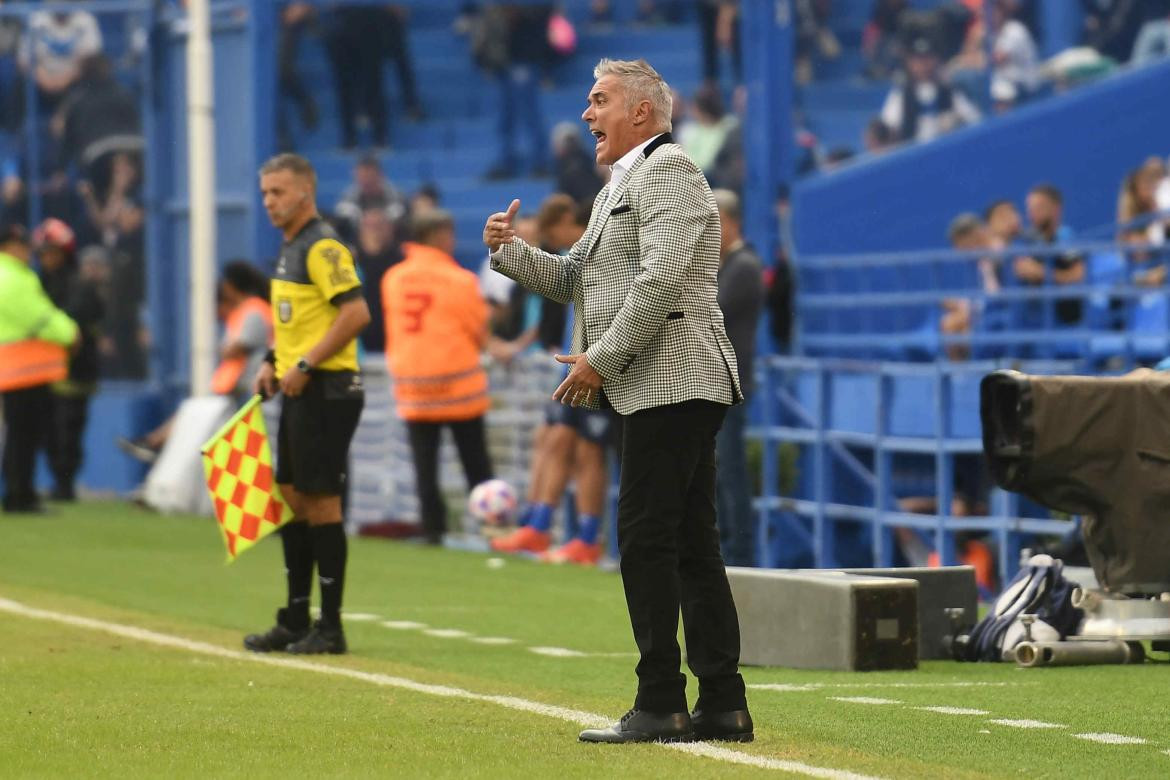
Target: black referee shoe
279	637
321	639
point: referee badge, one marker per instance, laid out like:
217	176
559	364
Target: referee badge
284	310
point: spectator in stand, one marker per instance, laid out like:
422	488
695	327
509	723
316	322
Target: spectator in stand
53	49
969	233
813	34
11	89
97	119
1045	207
741	297
378	250
924	106
511	43
703	137
1004	221
878	138
295	20
119	221
881	40
1111	26
1015	59
719	31
370	190
355	45
576	172
436	327
424	200
1153	41
396	48
1136	206
56	249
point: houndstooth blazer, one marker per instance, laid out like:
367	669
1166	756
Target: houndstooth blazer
643	282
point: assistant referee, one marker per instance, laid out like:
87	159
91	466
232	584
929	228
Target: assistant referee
318	311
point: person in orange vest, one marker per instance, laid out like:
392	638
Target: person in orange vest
34	337
436	328
242	303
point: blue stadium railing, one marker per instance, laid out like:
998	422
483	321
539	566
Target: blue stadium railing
887	306
851	421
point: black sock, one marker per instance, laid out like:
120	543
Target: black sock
298	567
329	548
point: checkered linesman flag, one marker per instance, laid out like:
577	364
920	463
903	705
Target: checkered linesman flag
238	464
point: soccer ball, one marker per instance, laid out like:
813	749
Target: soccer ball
492	502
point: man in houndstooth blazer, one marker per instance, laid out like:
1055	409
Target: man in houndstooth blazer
649	340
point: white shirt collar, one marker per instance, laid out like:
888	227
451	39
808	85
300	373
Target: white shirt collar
622	166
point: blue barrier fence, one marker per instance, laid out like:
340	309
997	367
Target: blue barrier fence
865	434
889	305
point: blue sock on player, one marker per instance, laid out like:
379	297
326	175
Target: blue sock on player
525	516
588	527
540	517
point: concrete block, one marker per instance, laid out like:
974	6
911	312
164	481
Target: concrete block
825	619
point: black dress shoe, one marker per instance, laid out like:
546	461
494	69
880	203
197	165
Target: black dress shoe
733	726
641	726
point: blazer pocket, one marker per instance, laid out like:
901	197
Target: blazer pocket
675	315
622	209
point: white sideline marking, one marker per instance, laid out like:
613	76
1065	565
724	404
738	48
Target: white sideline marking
954	710
1112	739
1026	724
403	625
863	700
447	633
361	617
577	717
493	640
802	687
557	652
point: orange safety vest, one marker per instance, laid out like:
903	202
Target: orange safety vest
436	326
228	372
30	363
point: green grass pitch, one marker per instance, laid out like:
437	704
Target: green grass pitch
75	701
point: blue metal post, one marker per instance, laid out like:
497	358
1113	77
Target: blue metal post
767	35
881	462
944	538
769	467
823	552
32	136
262	25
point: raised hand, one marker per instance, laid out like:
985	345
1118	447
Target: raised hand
498	229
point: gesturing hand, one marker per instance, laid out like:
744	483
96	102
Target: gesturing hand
581	385
498	229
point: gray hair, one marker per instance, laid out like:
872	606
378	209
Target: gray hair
963	226
728	204
641	82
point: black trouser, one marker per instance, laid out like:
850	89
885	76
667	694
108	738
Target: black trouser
398	51
63	442
670	558
355	52
471	443
708	13
26	423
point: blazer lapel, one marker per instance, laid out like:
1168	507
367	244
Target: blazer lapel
609	204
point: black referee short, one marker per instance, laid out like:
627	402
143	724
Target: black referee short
316	427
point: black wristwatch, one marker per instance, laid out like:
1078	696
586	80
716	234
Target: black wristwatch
304	367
